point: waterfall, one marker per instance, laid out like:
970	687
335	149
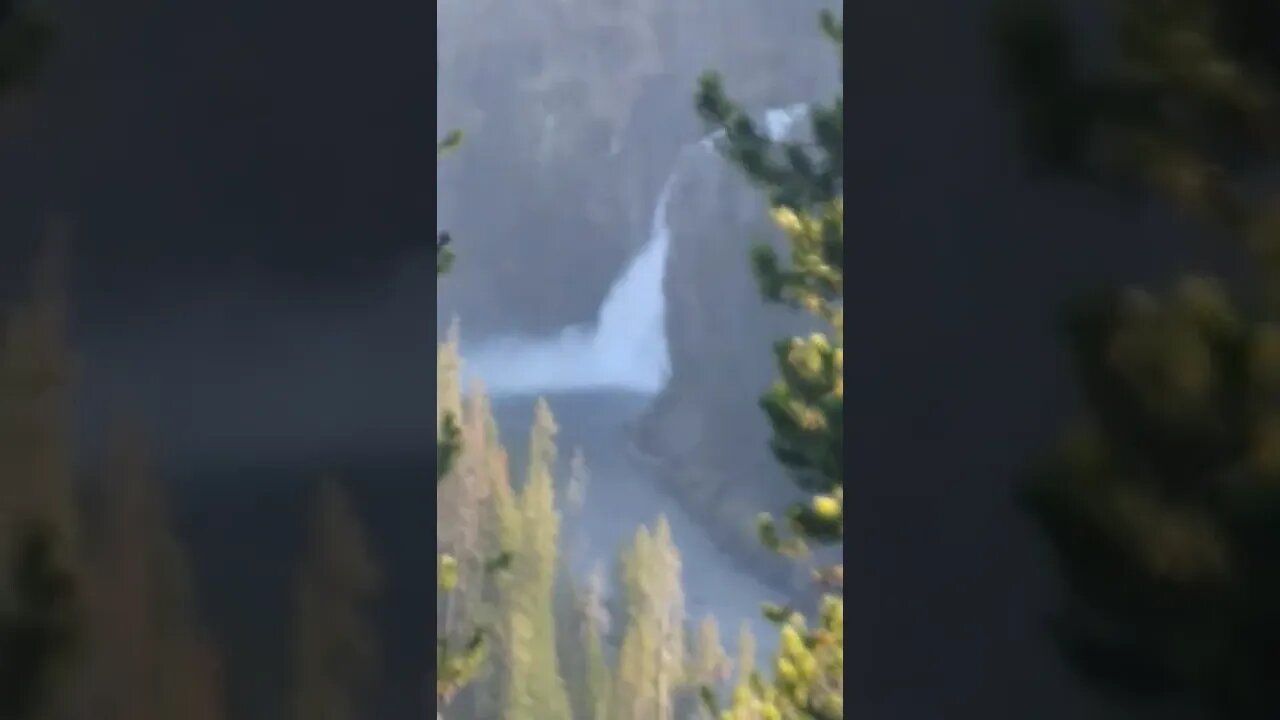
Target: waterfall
626	348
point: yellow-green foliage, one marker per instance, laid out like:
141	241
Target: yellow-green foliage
457	663
651	659
805	186
709	664
804	182
472	496
535	689
483	526
808	673
1161	501
514	667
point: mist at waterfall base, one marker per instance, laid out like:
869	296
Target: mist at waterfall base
625	350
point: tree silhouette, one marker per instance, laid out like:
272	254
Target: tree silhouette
335	643
1161	502
40	589
149	658
39	625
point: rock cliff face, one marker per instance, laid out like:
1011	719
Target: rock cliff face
544	237
574	113
706	428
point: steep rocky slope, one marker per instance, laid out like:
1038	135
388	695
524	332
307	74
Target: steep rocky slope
705	429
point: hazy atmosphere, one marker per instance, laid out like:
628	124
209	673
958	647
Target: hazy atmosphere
219	325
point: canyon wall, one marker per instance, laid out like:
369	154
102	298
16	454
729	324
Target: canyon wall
575	112
705	428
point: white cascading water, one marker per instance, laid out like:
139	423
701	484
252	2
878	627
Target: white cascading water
626	349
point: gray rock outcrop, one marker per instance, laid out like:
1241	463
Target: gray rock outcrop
706	428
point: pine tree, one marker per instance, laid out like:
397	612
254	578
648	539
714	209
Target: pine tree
449	376
444	255
149	657
461	492
1182	103
667	598
573	627
634	688
41	589
1161	500
500	525
651	659
710	663
804	180
454	667
468	532
447	430
335	644
535	689
744	691
37	372
39	624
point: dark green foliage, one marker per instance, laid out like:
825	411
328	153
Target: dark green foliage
1040	66
25	39
795	174
39	625
1161	502
804	180
444	256
447	447
455	666
1184	101
449	434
